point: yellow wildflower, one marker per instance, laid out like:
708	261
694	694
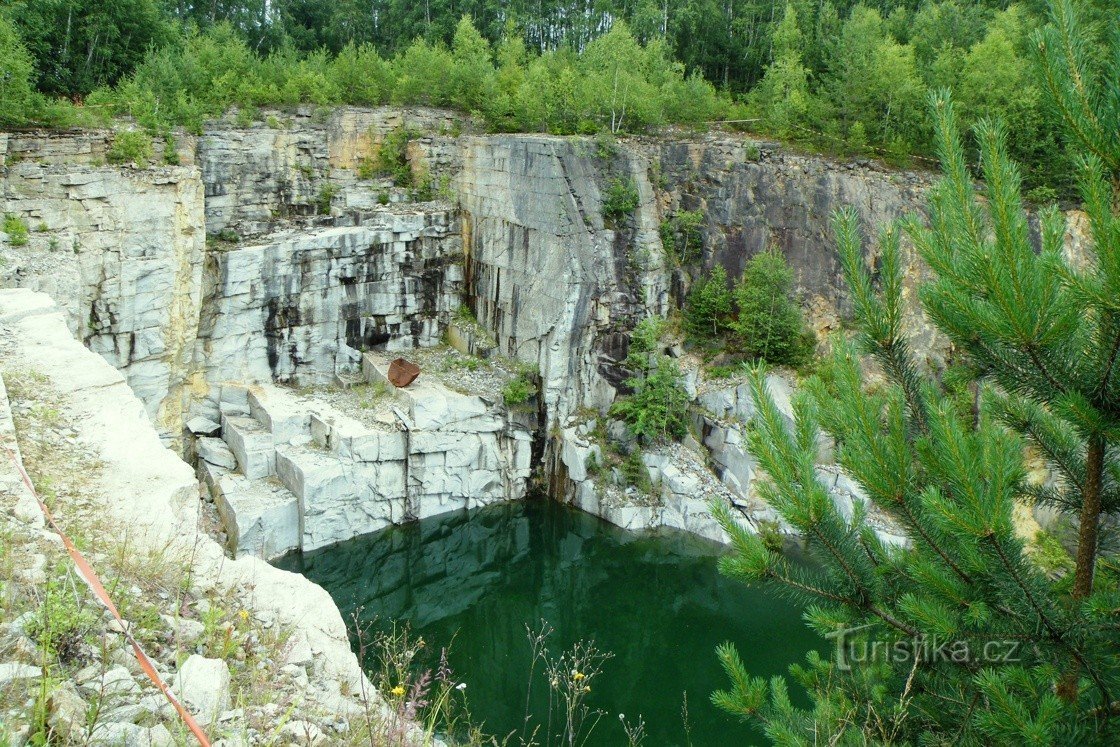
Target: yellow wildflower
243	614
577	676
398	691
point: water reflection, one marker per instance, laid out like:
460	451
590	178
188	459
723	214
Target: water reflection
656	602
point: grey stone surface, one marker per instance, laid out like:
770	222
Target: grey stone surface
214	451
204	684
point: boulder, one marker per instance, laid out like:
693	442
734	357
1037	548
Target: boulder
11	672
115	681
215	451
67	712
203	684
203	426
251	444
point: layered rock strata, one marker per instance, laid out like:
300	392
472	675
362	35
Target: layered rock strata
553	245
297	473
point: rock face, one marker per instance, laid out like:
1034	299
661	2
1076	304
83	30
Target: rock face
203	685
529	249
556	285
121	251
302	306
552	244
310	475
144	487
260	175
754	196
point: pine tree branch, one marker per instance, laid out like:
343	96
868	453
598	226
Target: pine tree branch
1057	635
1032	352
809	589
917	525
1112	356
1090	519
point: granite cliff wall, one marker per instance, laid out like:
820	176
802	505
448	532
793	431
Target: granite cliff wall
121	251
279	254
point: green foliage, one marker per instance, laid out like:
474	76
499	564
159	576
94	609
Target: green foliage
1039	334
130	146
170	150
707	310
768	324
519	389
16	228
80	45
783	97
620	199
326	196
658	407
1050	555
392	156
227	235
635	473
682	236
873	81
16	93
64	620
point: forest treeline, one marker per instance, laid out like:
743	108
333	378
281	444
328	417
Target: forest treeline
835	74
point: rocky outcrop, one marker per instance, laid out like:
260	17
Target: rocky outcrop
141	486
556	285
756	195
121	251
300	307
308	268
310	474
257	176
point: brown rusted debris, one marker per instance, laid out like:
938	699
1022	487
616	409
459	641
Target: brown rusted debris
402	372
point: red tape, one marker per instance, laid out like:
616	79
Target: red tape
85	570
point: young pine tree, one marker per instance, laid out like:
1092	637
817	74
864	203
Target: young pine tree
708	307
658	407
1038	660
768	324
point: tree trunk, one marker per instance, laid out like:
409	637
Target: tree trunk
1086	547
1090	520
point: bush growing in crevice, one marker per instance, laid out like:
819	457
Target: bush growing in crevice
16	228
519	389
768	324
707	310
619	200
391	158
130	146
635	473
658	407
757	319
681	236
326	196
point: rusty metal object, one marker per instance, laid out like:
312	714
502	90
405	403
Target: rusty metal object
402	372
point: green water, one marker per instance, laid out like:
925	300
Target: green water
655	601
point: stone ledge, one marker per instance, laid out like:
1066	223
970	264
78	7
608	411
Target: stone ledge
146	487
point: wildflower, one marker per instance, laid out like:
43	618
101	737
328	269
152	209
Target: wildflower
461	686
243	614
398	691
577	676
587	688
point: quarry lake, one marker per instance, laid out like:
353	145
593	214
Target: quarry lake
655	602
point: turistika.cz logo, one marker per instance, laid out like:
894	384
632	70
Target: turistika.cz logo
853	650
